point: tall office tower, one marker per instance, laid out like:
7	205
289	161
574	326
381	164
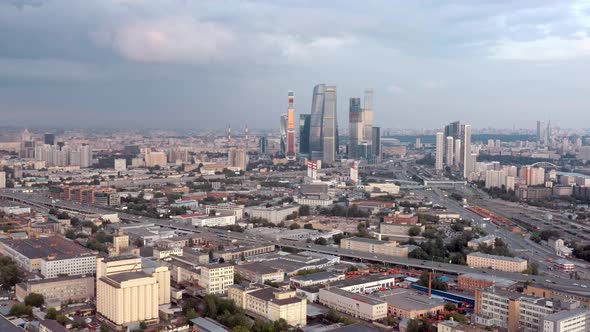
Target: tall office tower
355	118
27	145
440	147
457	154
85	156
376	143
538	132
290	153
468	162
449	153
548	134
263	144
283	133
330	126
49	139
229	135
316	125
304	128
368	116
2	180
418	144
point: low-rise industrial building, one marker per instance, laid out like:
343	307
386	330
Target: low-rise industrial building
243	252
501	263
60	289
320	278
365	284
373	246
274	214
260	273
407	303
473	281
356	305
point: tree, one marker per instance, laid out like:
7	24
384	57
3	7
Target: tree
51	313
240	328
35	300
191	314
308	226
104	328
414	231
221	260
294	226
450	306
304	210
143	325
321	241
333	316
62	319
21	309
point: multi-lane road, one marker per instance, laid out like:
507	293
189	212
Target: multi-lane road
554	282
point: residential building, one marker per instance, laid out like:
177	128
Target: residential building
2	180
454	326
488	240
501	263
155	158
237	158
439	151
356	305
270	303
377	247
120	165
260	273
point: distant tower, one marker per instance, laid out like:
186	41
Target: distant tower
290	151
229	134
440	146
247	136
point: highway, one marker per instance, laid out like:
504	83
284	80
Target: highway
562	284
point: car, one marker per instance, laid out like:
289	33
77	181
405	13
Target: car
576	284
584	286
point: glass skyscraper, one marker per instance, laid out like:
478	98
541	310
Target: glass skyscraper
304	130
315	131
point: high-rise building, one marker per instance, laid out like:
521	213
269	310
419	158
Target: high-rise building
2	180
237	158
263	144
316	125
538	132
290	149
439	154
330	126
49	139
27	145
304	130
85	156
457	154
376	143
283	133
155	158
449	153
120	164
368	116
355	119
467	156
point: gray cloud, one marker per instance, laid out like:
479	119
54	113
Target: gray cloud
209	61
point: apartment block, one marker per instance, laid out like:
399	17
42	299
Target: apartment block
216	278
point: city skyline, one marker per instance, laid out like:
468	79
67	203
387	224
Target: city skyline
120	64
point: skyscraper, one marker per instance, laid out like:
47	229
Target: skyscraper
85	156
376	143
263	144
538	132
355	118
317	113
440	146
468	158
457	155
368	116
329	126
49	139
449	153
304	129
284	121
290	153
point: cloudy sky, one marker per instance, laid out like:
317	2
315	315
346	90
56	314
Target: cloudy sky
201	63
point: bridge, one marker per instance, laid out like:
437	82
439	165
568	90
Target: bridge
544	164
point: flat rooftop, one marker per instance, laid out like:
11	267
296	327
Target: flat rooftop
353	296
258	268
504	258
268	294
317	276
410	300
366	240
46	246
361	280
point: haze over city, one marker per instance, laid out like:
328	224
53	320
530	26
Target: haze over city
207	64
